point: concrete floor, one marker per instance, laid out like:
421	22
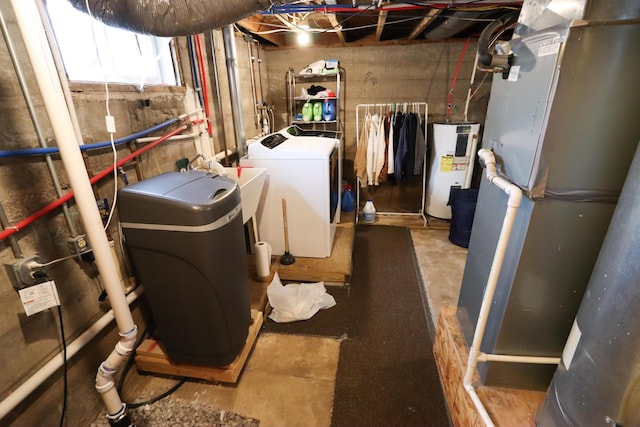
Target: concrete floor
289	380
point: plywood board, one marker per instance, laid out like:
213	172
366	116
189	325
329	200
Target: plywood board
151	358
334	269
507	407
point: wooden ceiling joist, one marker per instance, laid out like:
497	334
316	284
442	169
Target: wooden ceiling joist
382	19
254	24
335	25
428	18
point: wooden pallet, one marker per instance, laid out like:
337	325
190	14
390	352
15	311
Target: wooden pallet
151	358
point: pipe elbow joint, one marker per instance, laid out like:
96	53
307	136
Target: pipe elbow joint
515	196
104	379
486	156
127	341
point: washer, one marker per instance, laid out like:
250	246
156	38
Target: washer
304	168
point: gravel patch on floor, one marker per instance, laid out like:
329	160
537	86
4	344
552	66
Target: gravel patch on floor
182	413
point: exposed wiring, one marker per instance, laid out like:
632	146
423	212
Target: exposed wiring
110	121
477	88
455	78
64	368
55	261
278	28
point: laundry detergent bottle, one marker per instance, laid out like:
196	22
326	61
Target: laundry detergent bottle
329	110
307	112
317	111
347	203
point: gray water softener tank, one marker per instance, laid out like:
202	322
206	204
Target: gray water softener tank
185	237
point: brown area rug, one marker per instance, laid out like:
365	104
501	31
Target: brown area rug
331	322
387	375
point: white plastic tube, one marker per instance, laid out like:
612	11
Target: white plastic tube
515	196
483	357
27	387
471	82
39	53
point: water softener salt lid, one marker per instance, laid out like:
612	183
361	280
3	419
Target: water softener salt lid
178	198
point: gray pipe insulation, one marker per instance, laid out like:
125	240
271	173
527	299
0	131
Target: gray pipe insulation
168	18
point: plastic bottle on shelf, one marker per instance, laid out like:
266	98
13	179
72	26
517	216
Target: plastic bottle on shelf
317	111
328	110
307	112
369	212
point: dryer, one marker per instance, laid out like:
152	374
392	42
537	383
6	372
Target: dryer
305	169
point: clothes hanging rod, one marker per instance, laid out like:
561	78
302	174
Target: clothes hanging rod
419	105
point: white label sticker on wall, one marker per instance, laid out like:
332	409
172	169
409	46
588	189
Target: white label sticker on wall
513	73
39	297
571	345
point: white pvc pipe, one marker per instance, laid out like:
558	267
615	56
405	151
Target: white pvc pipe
171	138
27	387
39	53
515	196
472	157
484	357
471	81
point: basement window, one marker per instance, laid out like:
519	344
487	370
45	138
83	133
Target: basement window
96	53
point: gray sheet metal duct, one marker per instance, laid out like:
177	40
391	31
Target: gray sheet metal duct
499	63
168	18
598	381
449	27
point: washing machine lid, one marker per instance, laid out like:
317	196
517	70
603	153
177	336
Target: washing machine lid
283	145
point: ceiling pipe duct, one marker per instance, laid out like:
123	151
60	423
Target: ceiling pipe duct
457	22
492	62
231	57
167	18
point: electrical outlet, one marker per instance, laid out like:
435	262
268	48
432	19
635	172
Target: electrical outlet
27	272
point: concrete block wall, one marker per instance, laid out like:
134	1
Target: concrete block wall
420	72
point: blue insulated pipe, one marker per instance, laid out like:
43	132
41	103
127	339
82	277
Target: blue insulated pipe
85	147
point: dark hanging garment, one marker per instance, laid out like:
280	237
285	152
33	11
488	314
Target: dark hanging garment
405	154
410	156
421	149
397	131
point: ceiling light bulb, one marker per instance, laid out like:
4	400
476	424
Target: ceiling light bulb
303	38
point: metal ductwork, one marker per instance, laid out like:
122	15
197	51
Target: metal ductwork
488	60
598	381
457	22
168	18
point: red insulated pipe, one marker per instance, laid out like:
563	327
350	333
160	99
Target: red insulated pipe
68	196
455	77
203	79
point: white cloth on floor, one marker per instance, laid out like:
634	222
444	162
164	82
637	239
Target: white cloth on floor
297	301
